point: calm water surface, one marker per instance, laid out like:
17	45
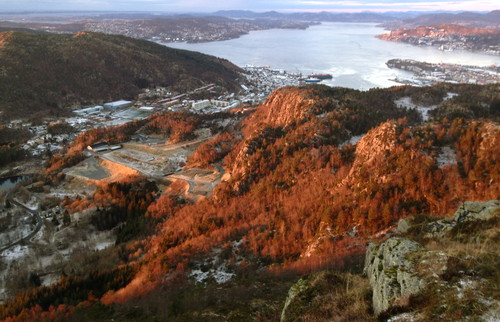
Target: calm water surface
349	51
9	183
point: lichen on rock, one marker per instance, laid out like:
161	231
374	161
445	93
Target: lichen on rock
391	271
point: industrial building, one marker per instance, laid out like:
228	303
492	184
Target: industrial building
118	104
89	110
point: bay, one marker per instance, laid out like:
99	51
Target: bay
348	51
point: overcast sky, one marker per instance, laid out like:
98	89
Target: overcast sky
256	5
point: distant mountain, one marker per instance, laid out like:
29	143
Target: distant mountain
308	16
490	20
39	73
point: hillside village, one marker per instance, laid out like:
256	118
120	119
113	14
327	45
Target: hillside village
260	82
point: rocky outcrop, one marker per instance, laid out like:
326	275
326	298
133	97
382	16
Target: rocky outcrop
371	150
400	267
286	106
468	212
390	269
376	143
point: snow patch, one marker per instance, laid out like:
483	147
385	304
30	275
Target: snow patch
446	156
103	245
50	279
403	317
15	252
214	268
408	103
464	285
353	140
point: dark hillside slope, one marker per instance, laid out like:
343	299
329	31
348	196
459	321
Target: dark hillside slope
50	72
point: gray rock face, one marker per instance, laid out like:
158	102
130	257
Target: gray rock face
473	210
467	212
389	267
399	267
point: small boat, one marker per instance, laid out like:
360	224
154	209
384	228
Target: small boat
312	80
321	76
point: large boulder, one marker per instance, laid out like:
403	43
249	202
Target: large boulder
390	269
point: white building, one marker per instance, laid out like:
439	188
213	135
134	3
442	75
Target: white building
118	104
201	104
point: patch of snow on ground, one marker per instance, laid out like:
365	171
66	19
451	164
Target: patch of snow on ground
447	156
50	279
493	312
199	275
221	276
465	285
103	245
450	95
15	252
354	140
403	317
407	102
218	270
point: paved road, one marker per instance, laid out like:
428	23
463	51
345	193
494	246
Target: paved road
35	214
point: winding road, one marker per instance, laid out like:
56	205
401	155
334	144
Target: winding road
35	214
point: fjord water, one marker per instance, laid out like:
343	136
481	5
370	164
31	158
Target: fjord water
348	51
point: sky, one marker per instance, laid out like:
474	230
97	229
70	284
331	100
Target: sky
254	5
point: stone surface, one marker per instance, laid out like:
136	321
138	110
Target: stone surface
404	225
467	212
399	267
390	269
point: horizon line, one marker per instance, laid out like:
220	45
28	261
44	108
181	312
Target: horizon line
282	11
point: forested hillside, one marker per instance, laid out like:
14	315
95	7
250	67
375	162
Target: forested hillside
311	175
48	73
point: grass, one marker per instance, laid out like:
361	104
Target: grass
471	279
